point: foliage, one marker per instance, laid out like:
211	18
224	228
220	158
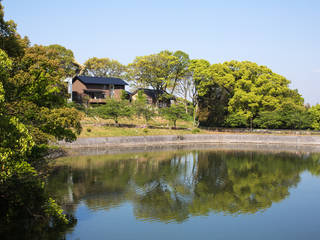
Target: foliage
288	116
32	111
269	120
23	201
315	116
36	94
142	108
104	67
161	71
10	41
124	95
65	57
113	109
237	120
241	89
174	113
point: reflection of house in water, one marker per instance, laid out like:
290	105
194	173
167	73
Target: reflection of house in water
96	89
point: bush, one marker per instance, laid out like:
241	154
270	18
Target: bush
237	120
142	108
195	130
174	113
113	109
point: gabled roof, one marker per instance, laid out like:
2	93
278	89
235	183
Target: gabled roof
100	80
152	93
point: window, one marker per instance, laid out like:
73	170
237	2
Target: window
111	91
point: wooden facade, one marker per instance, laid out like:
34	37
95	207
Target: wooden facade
88	90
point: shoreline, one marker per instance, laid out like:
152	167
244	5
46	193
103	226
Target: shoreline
265	141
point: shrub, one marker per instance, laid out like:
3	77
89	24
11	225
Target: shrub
174	113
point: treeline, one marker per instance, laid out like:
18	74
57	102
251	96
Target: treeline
231	94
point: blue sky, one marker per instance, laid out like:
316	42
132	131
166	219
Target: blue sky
281	34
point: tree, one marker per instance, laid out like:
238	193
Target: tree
156	71
142	108
198	73
37	95
104	67
23	200
10	41
242	89
180	70
174	113
315	116
66	59
113	109
269	120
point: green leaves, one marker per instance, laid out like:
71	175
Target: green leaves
104	67
142	108
174	113
239	91
315	116
113	109
162	71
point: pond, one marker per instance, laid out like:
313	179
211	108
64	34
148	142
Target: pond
190	194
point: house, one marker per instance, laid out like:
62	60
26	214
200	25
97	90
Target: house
165	99
96	89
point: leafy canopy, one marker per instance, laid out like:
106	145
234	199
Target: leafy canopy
113	109
104	67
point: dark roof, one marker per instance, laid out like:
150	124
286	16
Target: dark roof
100	80
152	92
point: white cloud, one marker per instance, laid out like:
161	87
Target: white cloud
316	70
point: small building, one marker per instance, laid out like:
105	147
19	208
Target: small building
165	99
96	89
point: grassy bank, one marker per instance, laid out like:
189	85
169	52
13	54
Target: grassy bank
97	127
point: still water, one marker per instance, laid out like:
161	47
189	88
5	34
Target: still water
199	194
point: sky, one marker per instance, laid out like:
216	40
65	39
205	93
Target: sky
281	34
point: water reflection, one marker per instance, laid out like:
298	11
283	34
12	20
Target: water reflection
173	186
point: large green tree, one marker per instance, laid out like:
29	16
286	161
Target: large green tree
162	71
315	116
24	205
104	67
10	41
37	95
243	89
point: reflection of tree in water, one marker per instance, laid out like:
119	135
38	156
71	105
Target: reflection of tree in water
171	186
235	183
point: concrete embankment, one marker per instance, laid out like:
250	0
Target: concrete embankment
297	140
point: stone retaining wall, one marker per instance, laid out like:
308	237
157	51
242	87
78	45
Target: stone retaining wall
193	138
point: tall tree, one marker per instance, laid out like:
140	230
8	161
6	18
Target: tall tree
315	115
66	59
23	200
180	70
142	108
157	71
36	94
10	41
246	89
104	67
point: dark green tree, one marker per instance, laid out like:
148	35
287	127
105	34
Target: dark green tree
10	41
113	109
142	108
173	113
